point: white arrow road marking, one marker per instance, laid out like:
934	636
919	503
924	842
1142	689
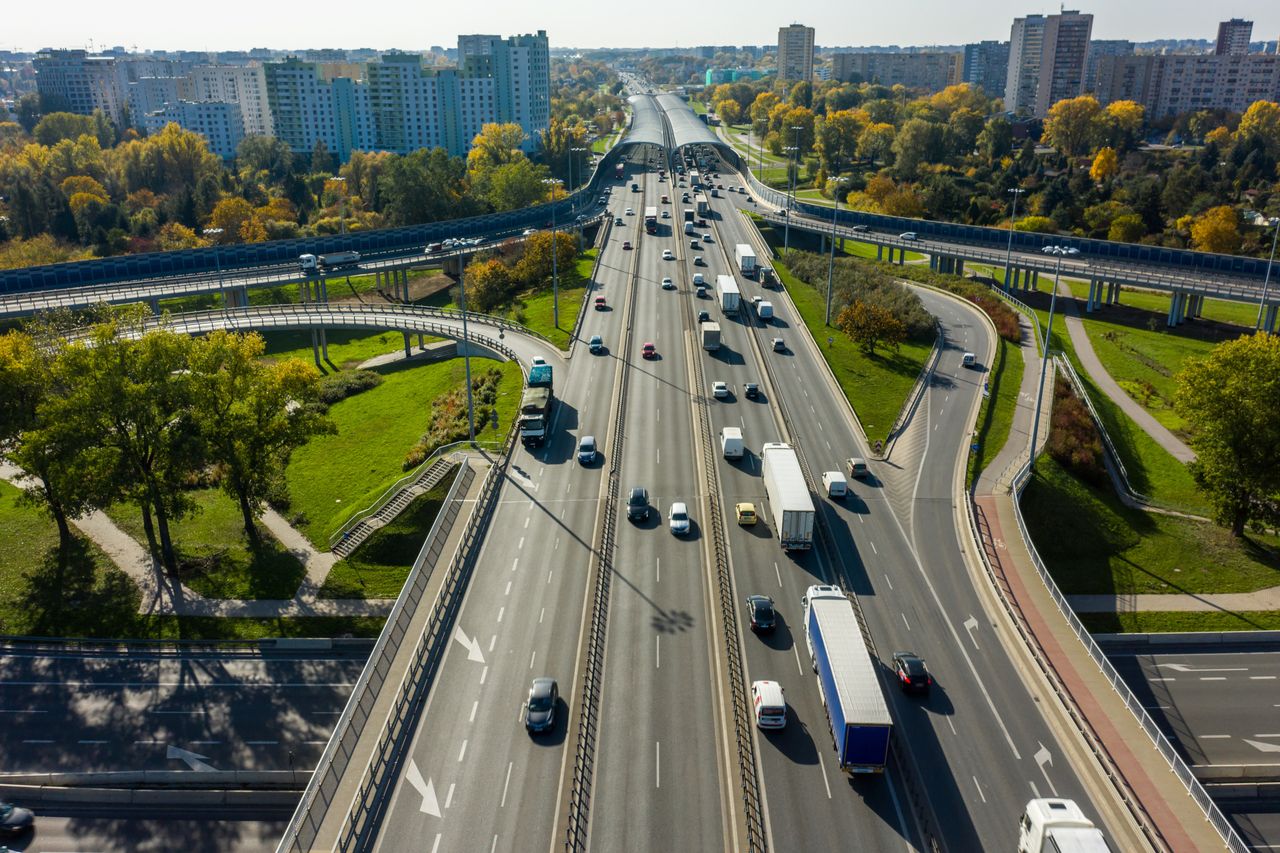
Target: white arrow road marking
1043	757
194	761
473	646
1263	746
430	805
971	625
1182	667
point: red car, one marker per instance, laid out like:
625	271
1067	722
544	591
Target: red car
626	244
649	351
600	303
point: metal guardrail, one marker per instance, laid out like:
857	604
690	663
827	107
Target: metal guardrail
917	390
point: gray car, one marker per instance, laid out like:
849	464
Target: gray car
638	504
15	820
540	708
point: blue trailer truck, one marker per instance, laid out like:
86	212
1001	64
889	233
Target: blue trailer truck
848	681
535	406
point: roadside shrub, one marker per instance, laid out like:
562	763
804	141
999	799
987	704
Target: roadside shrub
858	281
1002	315
1073	439
347	383
449	416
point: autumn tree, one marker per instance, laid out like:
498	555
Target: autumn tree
1230	395
729	111
838	139
1216	230
1072	125
1105	165
495	145
871	326
1261	123
488	284
1122	123
535	267
876	142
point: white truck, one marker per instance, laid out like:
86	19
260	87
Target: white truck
1058	826
728	294
731	442
710	336
332	260
764	310
788	494
745	257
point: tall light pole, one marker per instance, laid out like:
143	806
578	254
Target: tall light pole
555	273
342	203
216	233
466	346
1008	255
786	239
1061	252
1266	282
831	262
577	150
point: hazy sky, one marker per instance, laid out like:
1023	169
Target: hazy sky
238	24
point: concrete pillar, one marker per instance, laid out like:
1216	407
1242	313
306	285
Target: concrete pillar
1186	308
959	267
1088	302
879	253
324	345
933	262
1269	319
1012	282
902	257
1035	280
421	343
324	291
315	348
408	345
404	276
1174	309
155	305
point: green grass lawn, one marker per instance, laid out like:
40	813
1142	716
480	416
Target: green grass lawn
1092	543
379	567
347	347
215	558
877	386
995	419
336	475
1155	622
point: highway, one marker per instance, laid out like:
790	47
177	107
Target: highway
77	828
74	711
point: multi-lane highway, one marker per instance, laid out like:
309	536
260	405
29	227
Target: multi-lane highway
79	828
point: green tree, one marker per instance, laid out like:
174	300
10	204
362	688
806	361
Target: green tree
252	416
488	283
1128	228
876	141
1072	125
963	129
425	186
514	185
996	139
1230	396
55	127
917	143
838	139
871	326
29	111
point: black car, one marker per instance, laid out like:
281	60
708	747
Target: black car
638	504
704	317
913	675
540	708
750	390
760	611
15	820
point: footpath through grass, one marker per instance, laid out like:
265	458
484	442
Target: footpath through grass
334	476
379	567
876	386
1094	544
995	418
1163	622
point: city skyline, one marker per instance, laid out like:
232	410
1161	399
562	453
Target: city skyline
934	22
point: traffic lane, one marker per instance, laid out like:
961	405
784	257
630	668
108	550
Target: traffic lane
72	828
1183	694
73	714
1258	823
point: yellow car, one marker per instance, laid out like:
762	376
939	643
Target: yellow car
746	513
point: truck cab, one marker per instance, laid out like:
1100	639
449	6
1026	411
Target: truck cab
1054	825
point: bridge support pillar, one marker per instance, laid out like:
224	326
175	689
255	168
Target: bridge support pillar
1088	302
1269	319
421	343
879	253
408	345
902	256
315	349
324	291
1035	280
959	268
404	276
1011	283
1175	309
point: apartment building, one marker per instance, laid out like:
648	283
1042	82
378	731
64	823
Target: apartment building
1233	37
1047	58
73	81
986	65
1099	49
219	123
795	53
306	108
1170	84
929	72
244	85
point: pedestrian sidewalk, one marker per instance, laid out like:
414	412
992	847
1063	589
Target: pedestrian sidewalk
1225	602
1093	366
998	476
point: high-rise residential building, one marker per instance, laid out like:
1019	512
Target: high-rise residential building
1047	55
1170	84
73	81
931	72
408	102
245	85
474	45
986	65
795	53
1097	50
1233	37
148	94
305	109
219	123
520	68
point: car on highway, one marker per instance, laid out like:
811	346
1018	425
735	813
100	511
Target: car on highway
697	261
668	284
666	255
678	520
779	345
761	613
913	674
704	317
693	244
909	235
698	279
618	220
685	198
600	304
701	291
432	248
587	449
15	820
719	390
540	707
666	214
968	360
626	244
596	344
706	238
630	212
648	351
856	467
537	361
527	232
750	390
637	504
745	513
768	705
860	229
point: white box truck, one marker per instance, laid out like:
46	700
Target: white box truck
745	257
728	294
1058	826
788	494
731	442
710	336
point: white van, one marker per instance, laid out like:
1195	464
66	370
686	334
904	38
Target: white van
769	705
968	360
765	310
731	442
835	484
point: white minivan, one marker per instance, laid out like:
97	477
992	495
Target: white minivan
835	484
769	705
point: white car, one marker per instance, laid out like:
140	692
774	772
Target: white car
668	284
679	519
630	212
666	255
538	361
525	233
719	390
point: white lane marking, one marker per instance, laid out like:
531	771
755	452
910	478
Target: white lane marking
1213	678
550	572
796	651
248	742
568	487
658	414
873	548
521	545
971	625
501	611
889	582
508	592
515	563
435	847
658	570
1214	737
494	845
474	706
657	761
462	751
861	520
658	455
779	574
526	524
493	641
1251	678
448	798
905	622
979	787
505	784
1182	667
1034	790
822	768
484	673
542	614
532	658
20	711
37	741
1275	735
953	725
828	445
820	426
557	545
103	741
1043	757
657	651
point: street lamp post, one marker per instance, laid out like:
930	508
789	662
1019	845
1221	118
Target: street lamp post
1008	255
1266	282
831	262
577	150
1061	252
555	273
466	346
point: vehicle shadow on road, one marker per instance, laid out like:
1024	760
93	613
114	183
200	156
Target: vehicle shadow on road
795	743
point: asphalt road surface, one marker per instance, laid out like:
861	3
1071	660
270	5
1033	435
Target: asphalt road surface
113	829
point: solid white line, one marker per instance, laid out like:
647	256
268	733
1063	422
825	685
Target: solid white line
657	760
657	651
462	751
975	779
501	610
448	798
474	706
905	622
532	658
505	784
822	768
